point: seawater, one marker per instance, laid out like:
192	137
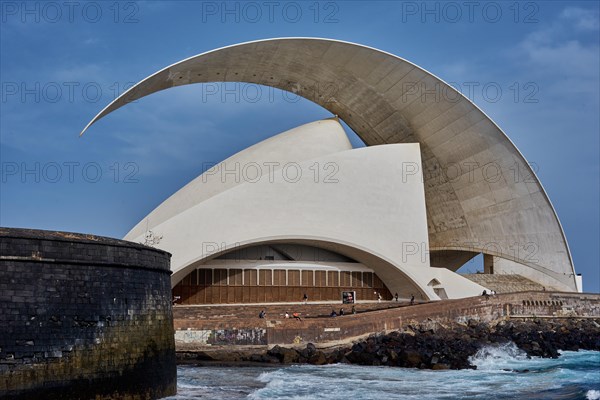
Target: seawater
503	372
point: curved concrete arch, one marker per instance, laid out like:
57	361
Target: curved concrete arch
386	99
398	279
456	257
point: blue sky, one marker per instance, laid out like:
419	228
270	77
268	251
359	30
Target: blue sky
60	63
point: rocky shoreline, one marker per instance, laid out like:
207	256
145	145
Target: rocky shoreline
427	345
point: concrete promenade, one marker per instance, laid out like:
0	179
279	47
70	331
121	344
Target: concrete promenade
238	327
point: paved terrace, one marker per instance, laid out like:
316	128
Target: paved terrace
199	315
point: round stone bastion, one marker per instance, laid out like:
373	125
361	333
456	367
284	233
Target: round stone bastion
84	317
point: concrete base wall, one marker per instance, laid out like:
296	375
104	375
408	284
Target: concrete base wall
204	334
83	317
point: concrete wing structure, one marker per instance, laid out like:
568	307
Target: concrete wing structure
322	196
481	194
267	157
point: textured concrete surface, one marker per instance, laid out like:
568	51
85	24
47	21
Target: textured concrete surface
83	316
505	283
481	194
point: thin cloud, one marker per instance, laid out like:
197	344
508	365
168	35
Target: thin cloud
562	55
582	19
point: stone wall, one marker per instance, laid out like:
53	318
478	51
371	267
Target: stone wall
194	334
83	317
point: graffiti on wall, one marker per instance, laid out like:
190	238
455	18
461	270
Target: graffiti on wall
238	337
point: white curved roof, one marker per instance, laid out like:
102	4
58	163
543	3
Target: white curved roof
324	196
298	144
481	194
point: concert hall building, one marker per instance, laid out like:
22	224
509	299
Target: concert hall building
303	212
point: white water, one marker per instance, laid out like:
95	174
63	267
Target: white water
504	356
503	372
593	395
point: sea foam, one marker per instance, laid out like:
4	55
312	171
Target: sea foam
592	395
497	357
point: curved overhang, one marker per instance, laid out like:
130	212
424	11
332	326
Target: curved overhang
386	99
398	279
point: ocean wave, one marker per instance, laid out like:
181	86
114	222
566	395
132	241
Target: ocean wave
504	373
498	357
592	395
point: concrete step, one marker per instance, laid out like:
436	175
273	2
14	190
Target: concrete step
505	283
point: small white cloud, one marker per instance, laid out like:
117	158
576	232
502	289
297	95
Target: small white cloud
569	57
582	19
560	52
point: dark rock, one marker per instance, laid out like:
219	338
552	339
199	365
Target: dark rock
361	358
263	358
318	358
308	352
410	358
472	323
393	357
285	355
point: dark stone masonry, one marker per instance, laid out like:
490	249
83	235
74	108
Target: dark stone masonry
84	317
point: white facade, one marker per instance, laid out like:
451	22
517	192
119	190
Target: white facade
367	204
